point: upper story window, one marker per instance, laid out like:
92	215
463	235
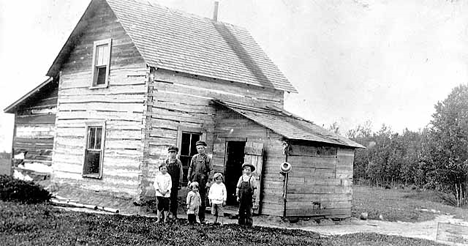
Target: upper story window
101	62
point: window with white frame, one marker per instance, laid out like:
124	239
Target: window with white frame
94	150
101	63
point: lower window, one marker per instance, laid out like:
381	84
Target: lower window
93	158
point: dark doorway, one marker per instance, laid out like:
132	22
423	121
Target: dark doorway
235	159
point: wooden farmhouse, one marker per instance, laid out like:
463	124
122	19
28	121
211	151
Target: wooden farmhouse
134	78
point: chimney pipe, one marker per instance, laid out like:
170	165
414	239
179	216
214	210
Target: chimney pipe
215	12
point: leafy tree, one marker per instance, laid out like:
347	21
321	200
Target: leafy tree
361	134
446	155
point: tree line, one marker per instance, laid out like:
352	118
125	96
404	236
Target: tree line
435	157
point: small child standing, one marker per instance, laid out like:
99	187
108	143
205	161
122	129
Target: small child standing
217	197
163	185
193	203
245	193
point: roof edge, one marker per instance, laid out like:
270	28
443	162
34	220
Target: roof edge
80	25
352	145
11	109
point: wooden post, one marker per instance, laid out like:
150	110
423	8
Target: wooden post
285	189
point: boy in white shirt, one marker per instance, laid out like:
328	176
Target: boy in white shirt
163	185
217	196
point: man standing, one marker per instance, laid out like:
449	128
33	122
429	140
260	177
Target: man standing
200	170
174	168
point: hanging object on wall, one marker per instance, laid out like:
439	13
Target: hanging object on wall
285	167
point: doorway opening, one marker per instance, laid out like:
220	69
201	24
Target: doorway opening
234	161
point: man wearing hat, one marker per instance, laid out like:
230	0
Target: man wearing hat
174	168
200	170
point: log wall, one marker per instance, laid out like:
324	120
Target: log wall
180	101
320	182
35	126
121	105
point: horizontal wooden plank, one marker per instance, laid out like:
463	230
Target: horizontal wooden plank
310	197
36	131
309	150
308	162
322	189
322	204
107	180
127	98
38	110
35	119
318	212
100	115
216	85
111	90
103	106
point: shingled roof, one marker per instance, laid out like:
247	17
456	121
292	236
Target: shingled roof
187	43
288	125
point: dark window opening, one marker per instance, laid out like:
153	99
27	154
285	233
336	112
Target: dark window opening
93	153
101	75
188	150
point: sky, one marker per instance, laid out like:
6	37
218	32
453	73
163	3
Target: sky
352	61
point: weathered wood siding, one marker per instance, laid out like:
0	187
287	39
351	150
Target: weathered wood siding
320	182
35	126
183	101
231	125
121	106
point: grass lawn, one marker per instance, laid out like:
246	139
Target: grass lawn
46	225
401	205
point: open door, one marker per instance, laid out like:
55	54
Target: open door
253	153
233	169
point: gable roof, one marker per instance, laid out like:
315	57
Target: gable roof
288	125
182	42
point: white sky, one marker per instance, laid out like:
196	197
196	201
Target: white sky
387	61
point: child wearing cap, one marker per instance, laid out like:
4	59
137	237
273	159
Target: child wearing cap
193	203
245	192
217	196
174	168
163	185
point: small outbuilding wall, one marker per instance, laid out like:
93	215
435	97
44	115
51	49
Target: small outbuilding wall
34	127
320	182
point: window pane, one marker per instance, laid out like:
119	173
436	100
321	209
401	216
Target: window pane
92	162
185	146
185	164
101	75
102	52
91	137
98	137
193	147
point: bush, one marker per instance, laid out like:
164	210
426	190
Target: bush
22	191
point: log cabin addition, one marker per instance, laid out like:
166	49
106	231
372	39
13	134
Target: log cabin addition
135	77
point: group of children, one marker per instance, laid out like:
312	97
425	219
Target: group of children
217	195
